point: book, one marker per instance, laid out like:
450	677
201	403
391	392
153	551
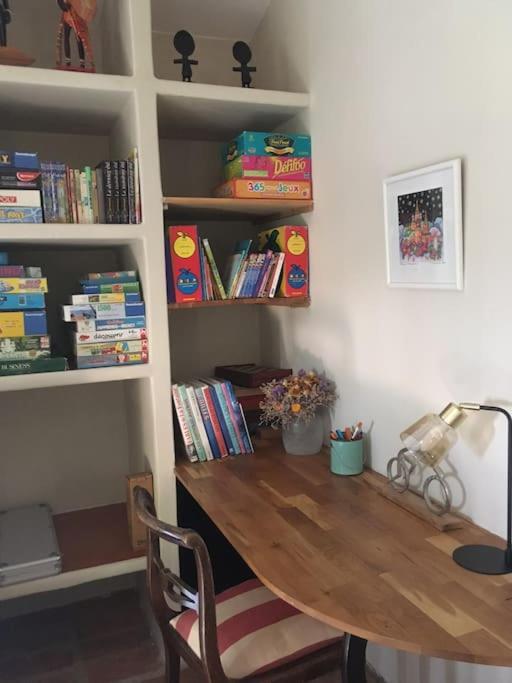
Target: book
60	192
34	366
132	215
134	158
224	407
215	420
16	302
21	285
230	447
262	273
116	191
112	289
95	325
23	324
196	413
88	362
110	348
207	421
95	197
233	413
101	195
113	298
198	444
123	192
235	264
109	336
103	311
293	242
214	269
108	190
239	417
184	274
186	434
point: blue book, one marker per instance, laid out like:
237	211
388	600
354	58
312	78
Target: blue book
242	426
20	302
206	420
220	416
203	275
235	264
217	386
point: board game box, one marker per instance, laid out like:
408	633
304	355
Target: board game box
83	362
91	326
126	287
19	302
22	285
102	311
23	324
109	336
242	188
267	144
38	365
113	298
109	348
272	168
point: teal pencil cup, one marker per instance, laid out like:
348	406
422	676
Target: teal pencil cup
347	457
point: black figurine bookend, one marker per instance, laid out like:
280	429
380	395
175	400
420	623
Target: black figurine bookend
243	55
185	45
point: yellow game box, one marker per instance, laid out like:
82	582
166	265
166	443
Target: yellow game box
243	188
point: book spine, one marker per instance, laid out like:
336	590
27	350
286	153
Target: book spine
199	422
101	195
227	417
59	173
214	269
91	326
201	453
266	274
124	215
215	421
276	275
33	366
203	273
72	195
47	192
109	336
261	273
87	362
241	278
222	420
233	415
132	215
182	421
116	196
239	418
246	430
95	202
203	409
108	191
20	302
136	171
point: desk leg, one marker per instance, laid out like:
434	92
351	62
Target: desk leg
354	660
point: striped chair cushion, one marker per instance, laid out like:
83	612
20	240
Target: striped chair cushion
257	631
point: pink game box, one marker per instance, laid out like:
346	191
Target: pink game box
269	167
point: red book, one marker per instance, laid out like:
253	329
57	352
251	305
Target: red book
184	264
215	422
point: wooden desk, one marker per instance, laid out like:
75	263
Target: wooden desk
337	550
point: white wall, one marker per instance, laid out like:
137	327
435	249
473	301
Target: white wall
396	85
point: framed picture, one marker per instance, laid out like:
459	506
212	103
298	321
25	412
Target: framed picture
423	216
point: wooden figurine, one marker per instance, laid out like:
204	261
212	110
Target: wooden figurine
10	56
185	45
75	18
243	55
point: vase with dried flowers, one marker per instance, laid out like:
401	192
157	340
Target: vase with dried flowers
296	404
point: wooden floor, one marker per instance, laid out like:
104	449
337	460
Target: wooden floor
105	640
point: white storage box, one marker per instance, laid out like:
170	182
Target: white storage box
28	545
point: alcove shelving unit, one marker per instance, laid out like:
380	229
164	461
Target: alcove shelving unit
70	438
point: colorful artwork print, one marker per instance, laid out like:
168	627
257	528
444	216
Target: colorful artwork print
421	235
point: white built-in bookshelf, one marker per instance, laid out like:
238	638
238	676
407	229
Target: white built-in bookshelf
69	439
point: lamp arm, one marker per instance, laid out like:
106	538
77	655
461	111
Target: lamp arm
497	409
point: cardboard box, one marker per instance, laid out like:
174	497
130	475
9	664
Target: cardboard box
272	168
268	144
23	324
241	188
136	528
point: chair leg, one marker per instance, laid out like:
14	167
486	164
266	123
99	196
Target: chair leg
172	665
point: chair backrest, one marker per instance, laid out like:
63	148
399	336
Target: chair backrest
166	589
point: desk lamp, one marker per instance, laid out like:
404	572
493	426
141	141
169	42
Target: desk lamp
430	438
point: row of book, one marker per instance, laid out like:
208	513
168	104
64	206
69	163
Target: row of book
110	321
50	191
25	346
211	420
276	264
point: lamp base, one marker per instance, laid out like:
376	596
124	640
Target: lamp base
482	559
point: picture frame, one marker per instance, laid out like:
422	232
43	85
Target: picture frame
423	227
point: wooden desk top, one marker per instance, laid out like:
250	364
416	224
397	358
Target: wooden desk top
337	550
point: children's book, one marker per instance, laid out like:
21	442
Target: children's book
234	266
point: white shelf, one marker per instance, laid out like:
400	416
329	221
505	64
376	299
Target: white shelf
69	579
45	380
217	112
70	233
62	102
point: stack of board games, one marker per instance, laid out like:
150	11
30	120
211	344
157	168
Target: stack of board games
20	188
211	420
24	341
110	321
109	193
267	166
276	264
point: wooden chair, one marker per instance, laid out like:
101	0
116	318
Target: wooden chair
262	639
